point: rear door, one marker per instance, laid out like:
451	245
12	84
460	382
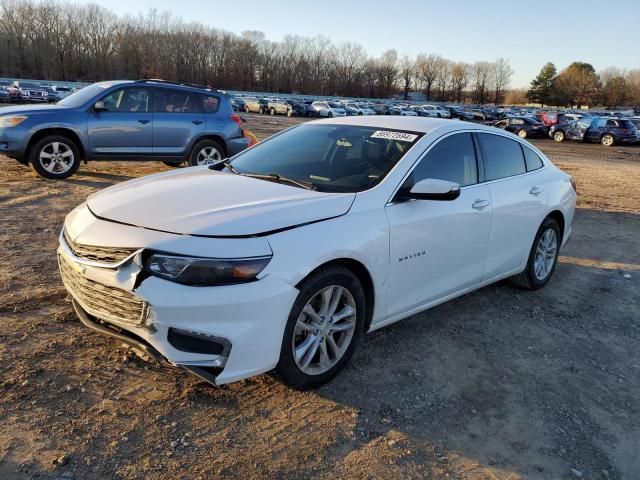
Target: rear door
438	247
178	120
125	127
518	199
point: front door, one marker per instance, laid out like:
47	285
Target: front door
125	126
438	247
577	130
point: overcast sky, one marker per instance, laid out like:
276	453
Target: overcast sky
528	33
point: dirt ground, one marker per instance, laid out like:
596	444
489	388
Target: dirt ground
499	384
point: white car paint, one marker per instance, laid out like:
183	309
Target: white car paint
323	109
435	111
454	247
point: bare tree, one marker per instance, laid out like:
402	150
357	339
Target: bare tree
428	68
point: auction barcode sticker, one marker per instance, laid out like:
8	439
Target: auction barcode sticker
390	135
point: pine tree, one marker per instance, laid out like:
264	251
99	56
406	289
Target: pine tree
541	89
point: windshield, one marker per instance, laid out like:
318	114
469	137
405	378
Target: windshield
83	95
334	158
334	105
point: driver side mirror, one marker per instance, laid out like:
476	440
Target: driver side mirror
100	106
431	189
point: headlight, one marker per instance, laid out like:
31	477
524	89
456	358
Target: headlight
12	120
200	271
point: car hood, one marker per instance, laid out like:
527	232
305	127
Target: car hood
27	109
200	201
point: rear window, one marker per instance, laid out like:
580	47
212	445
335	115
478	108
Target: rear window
502	157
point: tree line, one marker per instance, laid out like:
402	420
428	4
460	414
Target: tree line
64	41
54	40
579	84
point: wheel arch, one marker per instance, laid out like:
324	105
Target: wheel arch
558	216
363	275
62	131
208	136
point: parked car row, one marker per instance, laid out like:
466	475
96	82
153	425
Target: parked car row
21	91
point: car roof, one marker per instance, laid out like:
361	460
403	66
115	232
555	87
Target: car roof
414	124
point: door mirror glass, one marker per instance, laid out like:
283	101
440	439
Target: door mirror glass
99	106
433	189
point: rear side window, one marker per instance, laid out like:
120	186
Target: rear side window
502	157
177	101
452	159
531	158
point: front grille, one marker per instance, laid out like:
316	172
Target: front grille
103	301
107	255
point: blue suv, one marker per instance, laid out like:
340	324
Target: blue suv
123	120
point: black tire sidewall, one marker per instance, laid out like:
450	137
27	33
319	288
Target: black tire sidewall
530	271
193	156
34	157
287	367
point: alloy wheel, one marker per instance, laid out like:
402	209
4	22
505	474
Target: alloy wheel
324	330
56	157
545	254
208	155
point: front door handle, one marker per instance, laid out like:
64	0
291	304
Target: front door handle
197	122
144	121
480	204
535	191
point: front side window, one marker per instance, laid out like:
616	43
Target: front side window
452	159
127	100
502	157
334	158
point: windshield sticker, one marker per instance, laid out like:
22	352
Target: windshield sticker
389	135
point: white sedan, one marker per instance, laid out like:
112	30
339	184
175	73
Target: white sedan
283	256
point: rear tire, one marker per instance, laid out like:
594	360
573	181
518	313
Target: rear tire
272	111
206	152
522	133
607	140
55	157
316	346
542	258
558	136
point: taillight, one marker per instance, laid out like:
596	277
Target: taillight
236	119
573	184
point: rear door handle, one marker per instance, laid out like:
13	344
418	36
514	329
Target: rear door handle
143	121
480	204
197	122
535	191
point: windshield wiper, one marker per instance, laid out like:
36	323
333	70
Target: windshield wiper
231	168
275	177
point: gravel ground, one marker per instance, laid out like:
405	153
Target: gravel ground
498	384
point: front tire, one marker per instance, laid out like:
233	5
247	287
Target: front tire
558	136
323	329
542	258
522	133
55	157
206	152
